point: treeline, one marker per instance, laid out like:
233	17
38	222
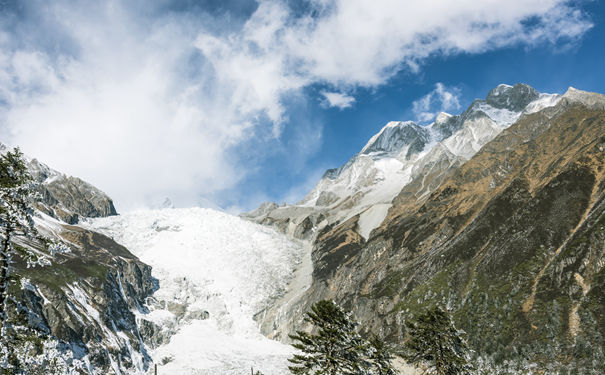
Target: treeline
336	347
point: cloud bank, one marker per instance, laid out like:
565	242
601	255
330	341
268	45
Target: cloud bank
147	101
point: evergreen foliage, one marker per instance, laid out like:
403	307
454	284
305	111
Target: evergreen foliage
336	348
435	342
381	357
16	221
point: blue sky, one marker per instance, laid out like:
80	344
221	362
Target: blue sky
231	103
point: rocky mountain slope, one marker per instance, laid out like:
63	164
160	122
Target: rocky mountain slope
95	308
499	218
66	198
82	303
504	226
496	213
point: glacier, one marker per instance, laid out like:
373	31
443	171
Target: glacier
216	272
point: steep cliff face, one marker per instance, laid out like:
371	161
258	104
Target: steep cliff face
83	303
512	241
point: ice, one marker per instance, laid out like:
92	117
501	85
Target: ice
209	261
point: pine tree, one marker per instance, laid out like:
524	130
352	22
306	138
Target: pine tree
435	341
381	357
16	222
336	349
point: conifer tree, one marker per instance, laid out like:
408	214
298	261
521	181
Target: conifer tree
435	341
16	221
381	357
336	348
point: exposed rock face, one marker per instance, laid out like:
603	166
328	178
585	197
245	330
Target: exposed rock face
68	198
86	300
514	98
512	241
397	135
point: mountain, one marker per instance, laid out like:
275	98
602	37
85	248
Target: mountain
66	198
497	214
403	152
98	307
83	301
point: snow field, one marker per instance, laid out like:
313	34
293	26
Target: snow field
210	264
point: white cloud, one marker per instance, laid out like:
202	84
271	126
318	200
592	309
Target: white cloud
357	42
337	99
147	104
441	99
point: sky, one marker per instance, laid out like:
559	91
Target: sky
232	103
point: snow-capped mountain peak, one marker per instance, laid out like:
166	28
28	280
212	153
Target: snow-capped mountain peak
403	150
513	98
394	136
442	117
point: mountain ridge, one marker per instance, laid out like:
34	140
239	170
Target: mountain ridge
401	151
511	240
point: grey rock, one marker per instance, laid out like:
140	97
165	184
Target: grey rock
514	98
86	297
395	138
262	211
326	198
68	198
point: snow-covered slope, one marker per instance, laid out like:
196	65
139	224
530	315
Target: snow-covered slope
215	272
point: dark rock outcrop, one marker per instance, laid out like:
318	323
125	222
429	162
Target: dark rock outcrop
513	98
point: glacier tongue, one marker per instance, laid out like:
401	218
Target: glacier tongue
215	272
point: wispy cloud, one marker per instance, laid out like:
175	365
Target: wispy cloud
337	99
147	102
441	99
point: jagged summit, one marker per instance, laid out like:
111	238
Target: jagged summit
399	144
395	136
64	197
442	117
406	154
514	98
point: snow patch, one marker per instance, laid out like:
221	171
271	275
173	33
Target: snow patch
501	116
371	219
543	101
